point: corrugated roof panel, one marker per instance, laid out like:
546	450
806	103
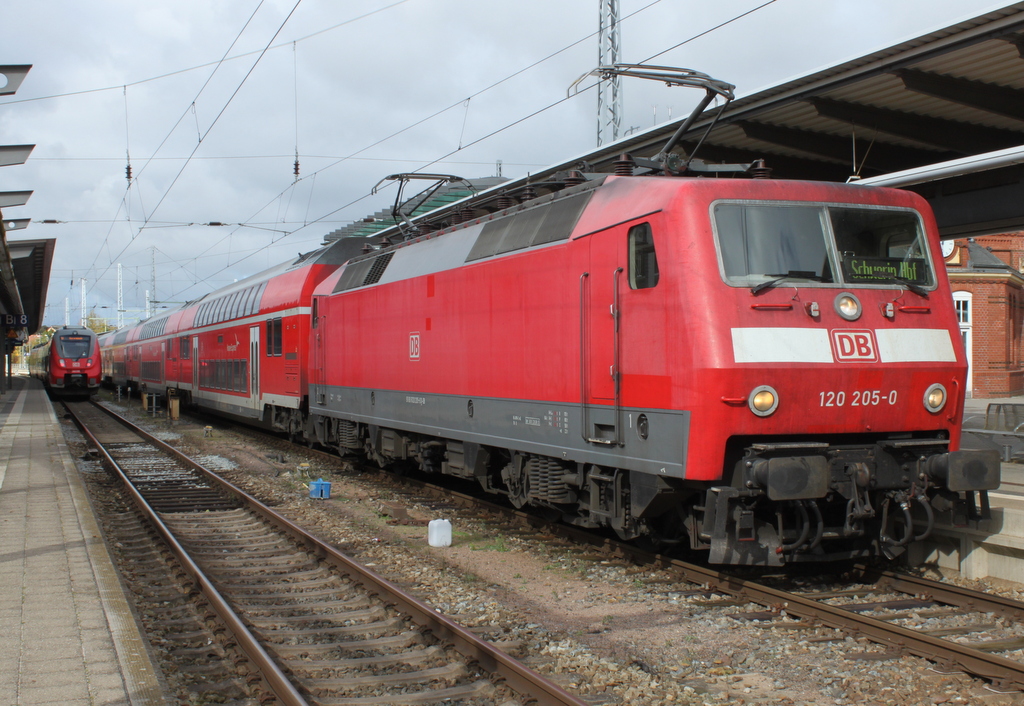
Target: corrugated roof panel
998	62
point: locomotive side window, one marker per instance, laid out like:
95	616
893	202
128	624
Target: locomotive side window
643	261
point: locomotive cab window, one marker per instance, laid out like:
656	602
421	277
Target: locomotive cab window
643	261
814	243
877	246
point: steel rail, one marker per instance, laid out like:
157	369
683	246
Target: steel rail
282	687
519	677
944	592
1005	673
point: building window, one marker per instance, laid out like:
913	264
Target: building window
963	310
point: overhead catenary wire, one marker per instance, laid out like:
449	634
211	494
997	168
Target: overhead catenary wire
275	240
208	64
228	102
480	139
432	116
171	132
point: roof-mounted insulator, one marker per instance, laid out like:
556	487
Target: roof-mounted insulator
529	192
575	178
505	201
624	165
758	170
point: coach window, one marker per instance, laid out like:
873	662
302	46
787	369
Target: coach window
184	349
643	261
274	346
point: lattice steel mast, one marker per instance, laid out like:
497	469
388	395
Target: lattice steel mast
609	93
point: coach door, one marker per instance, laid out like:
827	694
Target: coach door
254	367
173	364
600	286
317	377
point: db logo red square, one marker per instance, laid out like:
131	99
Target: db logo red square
854	346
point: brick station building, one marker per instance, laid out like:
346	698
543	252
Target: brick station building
988	292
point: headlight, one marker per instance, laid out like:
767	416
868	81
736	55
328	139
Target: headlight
848	306
935	398
763	400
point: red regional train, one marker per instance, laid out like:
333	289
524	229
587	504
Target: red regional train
68	364
769	371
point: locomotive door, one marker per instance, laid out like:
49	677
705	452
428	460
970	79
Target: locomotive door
599	340
254	367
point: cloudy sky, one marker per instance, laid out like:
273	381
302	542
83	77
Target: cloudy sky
210	101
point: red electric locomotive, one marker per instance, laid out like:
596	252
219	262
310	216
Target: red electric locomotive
770	371
767	370
68	364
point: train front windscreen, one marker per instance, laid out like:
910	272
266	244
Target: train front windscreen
74	346
821	244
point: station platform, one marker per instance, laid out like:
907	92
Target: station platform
67	633
992	548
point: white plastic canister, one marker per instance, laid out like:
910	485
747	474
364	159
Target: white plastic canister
439	533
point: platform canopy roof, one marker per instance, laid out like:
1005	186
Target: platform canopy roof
942	114
25	277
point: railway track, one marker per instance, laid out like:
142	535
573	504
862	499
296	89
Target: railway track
319	628
957	628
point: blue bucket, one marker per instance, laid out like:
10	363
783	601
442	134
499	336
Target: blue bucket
319	488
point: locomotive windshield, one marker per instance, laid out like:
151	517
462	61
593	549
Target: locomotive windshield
846	245
74	346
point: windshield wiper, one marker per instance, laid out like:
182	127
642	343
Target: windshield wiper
792	274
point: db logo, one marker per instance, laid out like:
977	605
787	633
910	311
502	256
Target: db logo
854	346
414	346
